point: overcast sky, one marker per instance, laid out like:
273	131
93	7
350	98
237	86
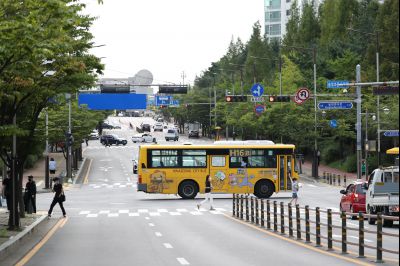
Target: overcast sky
168	37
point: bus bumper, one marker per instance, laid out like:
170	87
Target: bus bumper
142	187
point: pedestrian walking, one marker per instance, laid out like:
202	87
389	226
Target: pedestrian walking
30	194
7	189
295	190
59	197
87	142
52	166
208	194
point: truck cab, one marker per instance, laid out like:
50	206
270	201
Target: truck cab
383	193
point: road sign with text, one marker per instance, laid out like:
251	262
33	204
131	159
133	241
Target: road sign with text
337	84
334	105
391	133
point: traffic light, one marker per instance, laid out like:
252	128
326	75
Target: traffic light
279	98
235	98
163	106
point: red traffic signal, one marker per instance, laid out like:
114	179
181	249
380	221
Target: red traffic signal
235	98
271	98
279	98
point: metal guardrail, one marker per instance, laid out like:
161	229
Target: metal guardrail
259	208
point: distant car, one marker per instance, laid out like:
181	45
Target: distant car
158	127
143	138
94	135
176	127
106	126
112	139
353	199
193	134
145	127
172	134
117	127
120	114
160	119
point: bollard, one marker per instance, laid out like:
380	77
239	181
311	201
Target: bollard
344	181
257	212
379	238
324	177
237	206
233	205
344	232
247	208
317	227
262	213
298	224
290	220
241	207
360	235
334	179
308	235
268	215
252	209
275	217
330	230
330	179
339	180
282	218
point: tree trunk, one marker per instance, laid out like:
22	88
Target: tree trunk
20	198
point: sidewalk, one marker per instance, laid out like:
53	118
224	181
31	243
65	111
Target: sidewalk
307	170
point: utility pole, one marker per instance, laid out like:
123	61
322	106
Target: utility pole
183	75
13	220
46	167
315	157
358	124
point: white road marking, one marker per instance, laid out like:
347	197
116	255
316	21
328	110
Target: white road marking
182	261
181	210
117	184
151	225
133	214
92	215
167	245
118	203
220	209
175	213
113	215
158	234
122	186
215	212
162	210
104	212
143	210
84	212
311	185
196	213
123	211
147	218
154	214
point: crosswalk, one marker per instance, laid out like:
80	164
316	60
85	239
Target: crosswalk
113	185
148	212
110	147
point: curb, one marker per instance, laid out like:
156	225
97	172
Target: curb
83	166
7	247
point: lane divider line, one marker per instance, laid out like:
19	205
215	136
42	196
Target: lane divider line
86	181
355	261
41	243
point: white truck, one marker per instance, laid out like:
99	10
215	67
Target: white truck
383	193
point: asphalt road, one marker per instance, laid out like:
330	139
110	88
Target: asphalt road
110	223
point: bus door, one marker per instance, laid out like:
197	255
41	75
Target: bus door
285	166
219	168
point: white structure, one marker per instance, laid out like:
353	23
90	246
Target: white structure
277	14
139	84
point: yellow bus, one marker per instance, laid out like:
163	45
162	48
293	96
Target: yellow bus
258	167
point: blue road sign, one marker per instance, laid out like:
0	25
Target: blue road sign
333	123
113	101
163	100
337	84
391	133
175	103
257	90
259	109
335	105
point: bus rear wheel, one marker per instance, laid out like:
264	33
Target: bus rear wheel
188	189
264	189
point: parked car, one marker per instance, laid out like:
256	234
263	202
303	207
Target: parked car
143	138
383	194
145	127
106	126
94	134
193	134
171	134
158	127
353	199
112	139
117	127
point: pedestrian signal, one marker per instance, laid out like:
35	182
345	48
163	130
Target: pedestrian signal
279	98
271	99
235	98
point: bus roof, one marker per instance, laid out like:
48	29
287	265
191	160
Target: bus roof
212	146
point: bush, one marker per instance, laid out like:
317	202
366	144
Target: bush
351	163
330	153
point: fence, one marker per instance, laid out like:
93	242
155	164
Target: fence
265	215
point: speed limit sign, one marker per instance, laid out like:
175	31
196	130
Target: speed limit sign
303	94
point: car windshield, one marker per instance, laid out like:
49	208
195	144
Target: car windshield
171	131
360	189
115	136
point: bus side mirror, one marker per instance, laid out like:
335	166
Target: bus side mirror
143	166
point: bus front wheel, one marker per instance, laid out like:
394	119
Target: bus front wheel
264	189
188	189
